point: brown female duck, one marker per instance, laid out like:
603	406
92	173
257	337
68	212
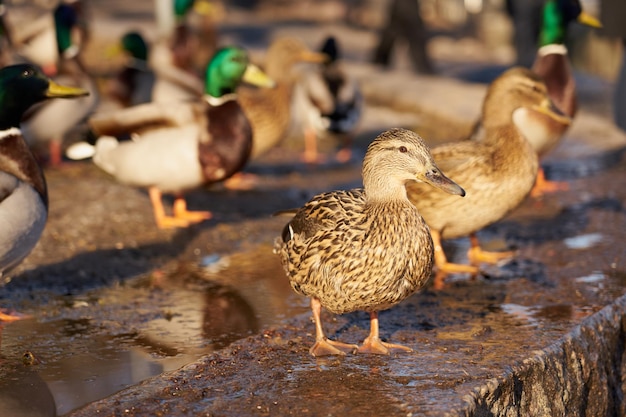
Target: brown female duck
364	249
498	170
269	110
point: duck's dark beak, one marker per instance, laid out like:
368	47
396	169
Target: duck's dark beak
60	91
436	178
255	76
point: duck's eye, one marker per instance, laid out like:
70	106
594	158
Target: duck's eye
403	149
27	73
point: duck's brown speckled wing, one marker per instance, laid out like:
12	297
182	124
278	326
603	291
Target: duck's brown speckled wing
352	256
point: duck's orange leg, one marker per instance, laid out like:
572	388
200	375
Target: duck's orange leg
373	344
476	255
323	346
544	186
181	212
163	221
6	317
311	153
441	262
241	181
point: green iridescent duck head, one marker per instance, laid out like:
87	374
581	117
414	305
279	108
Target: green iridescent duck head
229	67
557	15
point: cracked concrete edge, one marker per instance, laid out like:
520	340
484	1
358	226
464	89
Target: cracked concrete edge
582	374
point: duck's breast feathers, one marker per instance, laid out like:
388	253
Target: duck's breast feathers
17	160
23	216
228	144
356	256
556	72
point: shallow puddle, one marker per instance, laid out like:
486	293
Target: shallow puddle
117	337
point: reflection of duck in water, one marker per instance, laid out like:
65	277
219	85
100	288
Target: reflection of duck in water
227	317
23	393
197	321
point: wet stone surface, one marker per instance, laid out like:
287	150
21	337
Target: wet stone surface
131	320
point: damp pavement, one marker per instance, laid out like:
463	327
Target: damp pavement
126	319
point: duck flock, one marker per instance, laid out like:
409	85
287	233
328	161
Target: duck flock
185	112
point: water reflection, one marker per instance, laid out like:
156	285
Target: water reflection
99	352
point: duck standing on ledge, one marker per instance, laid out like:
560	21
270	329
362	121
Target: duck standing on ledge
498	171
133	84
553	66
23	193
270	110
365	249
52	121
178	147
332	102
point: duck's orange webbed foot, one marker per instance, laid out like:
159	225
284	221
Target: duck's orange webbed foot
325	347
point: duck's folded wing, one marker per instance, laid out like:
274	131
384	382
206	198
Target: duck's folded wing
143	117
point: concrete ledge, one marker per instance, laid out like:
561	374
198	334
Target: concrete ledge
580	375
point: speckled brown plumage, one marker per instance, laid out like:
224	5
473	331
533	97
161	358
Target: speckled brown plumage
365	249
498	170
269	110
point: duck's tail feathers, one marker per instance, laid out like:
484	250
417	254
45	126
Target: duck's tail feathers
80	151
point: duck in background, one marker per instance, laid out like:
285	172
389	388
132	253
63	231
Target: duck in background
133	84
365	249
270	110
33	39
187	41
6	42
552	65
178	147
23	192
498	171
333	102
52	121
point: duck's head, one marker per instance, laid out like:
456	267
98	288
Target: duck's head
398	156
557	15
228	68
331	49
285	52
135	45
22	86
182	7
518	89
65	19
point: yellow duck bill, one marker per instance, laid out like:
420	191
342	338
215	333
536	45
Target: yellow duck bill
61	91
255	76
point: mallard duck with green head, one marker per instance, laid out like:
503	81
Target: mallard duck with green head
183	49
553	66
23	192
365	249
133	84
498	171
178	147
49	123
